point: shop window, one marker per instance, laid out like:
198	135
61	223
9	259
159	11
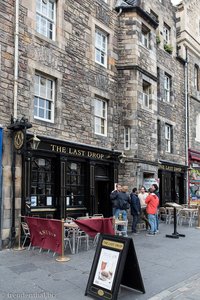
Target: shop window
100	118
42	182
75	192
44	98
101	40
46	18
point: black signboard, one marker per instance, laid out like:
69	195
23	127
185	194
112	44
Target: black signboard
115	262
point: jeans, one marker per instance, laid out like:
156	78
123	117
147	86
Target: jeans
152	221
157	222
135	221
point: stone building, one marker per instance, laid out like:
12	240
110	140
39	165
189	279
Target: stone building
100	85
188	43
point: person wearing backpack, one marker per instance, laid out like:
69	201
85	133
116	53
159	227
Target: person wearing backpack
122	204
135	209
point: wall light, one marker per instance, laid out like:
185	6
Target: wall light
34	142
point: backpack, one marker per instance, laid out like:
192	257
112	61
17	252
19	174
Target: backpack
124	204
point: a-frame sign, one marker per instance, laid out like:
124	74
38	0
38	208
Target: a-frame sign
115	262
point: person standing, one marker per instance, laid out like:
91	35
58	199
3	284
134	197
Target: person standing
113	197
122	205
142	196
135	209
154	187
152	202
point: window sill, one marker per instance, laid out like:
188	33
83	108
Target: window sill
42	38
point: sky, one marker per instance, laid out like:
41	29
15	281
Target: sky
175	1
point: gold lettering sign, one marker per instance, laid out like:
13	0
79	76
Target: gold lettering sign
114	245
76	152
47	232
171	168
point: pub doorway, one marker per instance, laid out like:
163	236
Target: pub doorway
102	198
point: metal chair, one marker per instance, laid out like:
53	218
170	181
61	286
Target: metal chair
67	238
26	233
81	235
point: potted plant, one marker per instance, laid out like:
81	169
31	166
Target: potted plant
158	40
168	48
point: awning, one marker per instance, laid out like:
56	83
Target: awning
194	155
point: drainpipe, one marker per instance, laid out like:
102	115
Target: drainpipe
16	56
186	124
1	184
15	92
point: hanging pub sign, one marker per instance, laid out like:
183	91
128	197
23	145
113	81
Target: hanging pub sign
115	262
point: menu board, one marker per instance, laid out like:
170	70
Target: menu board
115	263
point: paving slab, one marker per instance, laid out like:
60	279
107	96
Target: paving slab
169	267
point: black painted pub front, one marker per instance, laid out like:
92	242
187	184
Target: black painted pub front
64	179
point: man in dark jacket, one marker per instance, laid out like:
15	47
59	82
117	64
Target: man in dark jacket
113	197
135	209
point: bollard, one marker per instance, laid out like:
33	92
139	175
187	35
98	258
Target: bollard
198	226
62	258
19	248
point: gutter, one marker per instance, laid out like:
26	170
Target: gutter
16	56
186	124
1	184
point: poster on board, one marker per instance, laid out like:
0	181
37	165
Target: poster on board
115	262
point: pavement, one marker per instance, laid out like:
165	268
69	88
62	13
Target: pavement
170	269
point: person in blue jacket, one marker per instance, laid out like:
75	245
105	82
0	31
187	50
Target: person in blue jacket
135	209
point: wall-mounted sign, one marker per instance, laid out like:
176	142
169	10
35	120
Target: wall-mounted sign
77	152
18	139
115	263
147	182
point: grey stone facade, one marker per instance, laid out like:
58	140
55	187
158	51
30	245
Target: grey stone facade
70	61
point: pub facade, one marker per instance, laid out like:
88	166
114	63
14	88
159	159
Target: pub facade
103	95
68	180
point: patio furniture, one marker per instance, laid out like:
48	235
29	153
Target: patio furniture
26	233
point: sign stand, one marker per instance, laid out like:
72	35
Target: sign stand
175	234
115	263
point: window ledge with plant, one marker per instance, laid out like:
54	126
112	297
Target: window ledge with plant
168	48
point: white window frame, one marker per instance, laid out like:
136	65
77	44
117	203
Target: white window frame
127	138
167	88
166	34
198	128
145	36
146	94
101	42
196	77
168	138
44	102
43	12
100	116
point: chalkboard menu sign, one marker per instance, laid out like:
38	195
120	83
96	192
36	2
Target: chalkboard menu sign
114	263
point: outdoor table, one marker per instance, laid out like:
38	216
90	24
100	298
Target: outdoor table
175	234
93	226
74	227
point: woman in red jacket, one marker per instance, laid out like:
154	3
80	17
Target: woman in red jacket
152	203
